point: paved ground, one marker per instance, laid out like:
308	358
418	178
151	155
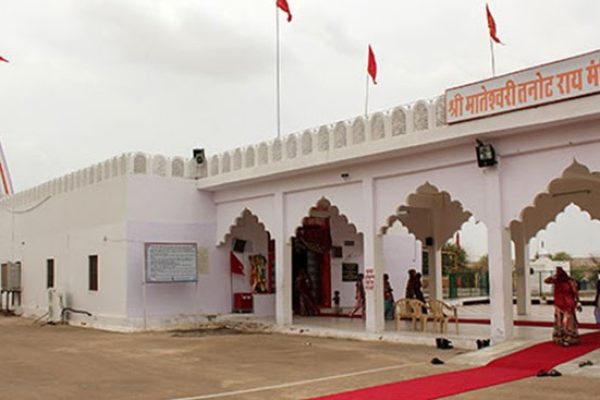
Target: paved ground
72	363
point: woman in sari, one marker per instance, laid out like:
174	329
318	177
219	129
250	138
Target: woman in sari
566	298
359	296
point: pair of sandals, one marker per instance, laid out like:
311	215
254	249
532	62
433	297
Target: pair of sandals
553	372
444	344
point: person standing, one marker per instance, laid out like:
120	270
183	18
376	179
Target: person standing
597	302
359	296
410	285
388	297
566	300
418	288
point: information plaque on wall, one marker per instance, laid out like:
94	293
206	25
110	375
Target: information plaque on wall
171	262
349	272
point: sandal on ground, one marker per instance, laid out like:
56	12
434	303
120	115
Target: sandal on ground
541	373
554	373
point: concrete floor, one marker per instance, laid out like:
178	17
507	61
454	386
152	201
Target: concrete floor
74	363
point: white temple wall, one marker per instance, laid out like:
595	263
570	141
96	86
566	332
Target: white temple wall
172	210
68	227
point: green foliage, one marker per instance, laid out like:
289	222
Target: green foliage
561	256
453	258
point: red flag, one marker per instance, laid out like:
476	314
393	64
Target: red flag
491	25
3	59
236	265
285	7
372	68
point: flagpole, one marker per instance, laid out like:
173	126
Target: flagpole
278	78
367	98
493	61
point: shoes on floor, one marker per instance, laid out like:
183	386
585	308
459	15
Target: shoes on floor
437	361
585	363
553	372
481	343
443	344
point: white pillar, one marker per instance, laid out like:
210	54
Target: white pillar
522	272
283	266
500	265
373	261
435	288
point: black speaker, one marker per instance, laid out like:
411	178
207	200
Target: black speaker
239	245
428	241
198	155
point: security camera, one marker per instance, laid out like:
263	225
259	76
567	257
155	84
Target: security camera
198	155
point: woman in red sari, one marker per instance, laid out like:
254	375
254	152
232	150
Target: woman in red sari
566	298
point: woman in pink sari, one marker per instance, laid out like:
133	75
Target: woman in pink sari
566	298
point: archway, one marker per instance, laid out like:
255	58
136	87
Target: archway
433	218
251	255
327	252
576	191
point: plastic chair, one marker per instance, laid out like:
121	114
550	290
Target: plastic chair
410	308
438	315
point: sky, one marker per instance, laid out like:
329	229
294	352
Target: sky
91	79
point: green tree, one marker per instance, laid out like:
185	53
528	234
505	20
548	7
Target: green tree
561	256
453	258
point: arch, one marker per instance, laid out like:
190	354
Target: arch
291	146
177	167
420	116
159	166
339	135
250	157
263	154
398	121
440	111
214	165
237	159
139	164
245	217
307	146
276	150
226	162
324	207
426	204
358	131
323	138
577	185
377	127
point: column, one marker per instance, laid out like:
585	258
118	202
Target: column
435	288
373	262
500	264
522	272
283	265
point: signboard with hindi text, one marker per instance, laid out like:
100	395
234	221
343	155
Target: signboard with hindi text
547	83
171	262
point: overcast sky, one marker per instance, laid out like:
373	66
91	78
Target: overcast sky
90	79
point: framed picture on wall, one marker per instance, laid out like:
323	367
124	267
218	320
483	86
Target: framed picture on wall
349	272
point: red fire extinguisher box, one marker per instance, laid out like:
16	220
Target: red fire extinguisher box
243	303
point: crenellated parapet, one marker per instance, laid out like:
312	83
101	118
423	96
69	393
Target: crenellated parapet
125	164
408	119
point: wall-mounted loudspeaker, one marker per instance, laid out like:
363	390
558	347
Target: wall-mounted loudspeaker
198	155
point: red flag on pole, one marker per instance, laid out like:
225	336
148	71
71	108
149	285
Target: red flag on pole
236	265
285	7
3	59
457	241
372	68
491	25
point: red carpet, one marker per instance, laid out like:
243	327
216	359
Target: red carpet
519	365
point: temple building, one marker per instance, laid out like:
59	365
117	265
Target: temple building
150	242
